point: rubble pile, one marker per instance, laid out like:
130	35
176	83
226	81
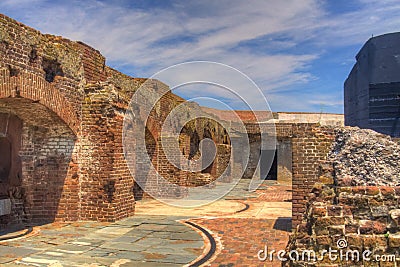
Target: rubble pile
355	201
362	157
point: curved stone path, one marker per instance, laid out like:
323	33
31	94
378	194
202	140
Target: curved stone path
241	232
137	241
241	223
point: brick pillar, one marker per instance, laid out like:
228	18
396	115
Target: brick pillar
184	145
124	201
311	144
222	162
106	185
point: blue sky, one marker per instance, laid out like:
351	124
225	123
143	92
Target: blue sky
299	52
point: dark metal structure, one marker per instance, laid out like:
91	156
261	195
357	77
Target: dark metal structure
372	89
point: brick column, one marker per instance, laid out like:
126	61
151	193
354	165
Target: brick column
310	145
106	185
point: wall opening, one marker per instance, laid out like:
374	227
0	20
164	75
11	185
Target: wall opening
194	149
142	177
37	163
10	162
5	159
52	68
284	160
265	173
207	149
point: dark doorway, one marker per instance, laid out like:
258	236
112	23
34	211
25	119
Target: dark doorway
5	159
144	176
265	173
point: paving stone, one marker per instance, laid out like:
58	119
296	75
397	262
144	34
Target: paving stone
151	227
131	255
155	240
138	233
12	264
127	246
128	239
162	235
186	236
113	230
87	261
30	244
182	244
5	259
7	254
38	260
72	249
86	242
131	222
176	228
165	250
101	252
161	258
99	245
150	242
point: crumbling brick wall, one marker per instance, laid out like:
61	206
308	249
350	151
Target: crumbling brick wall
311	144
57	76
79	172
356	199
71	82
44	157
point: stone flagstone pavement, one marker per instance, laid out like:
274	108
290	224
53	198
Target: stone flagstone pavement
136	241
242	223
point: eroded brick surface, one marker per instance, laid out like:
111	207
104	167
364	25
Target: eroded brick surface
354	201
72	109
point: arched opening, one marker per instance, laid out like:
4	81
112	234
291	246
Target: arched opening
142	176
38	164
267	171
10	162
206	151
194	146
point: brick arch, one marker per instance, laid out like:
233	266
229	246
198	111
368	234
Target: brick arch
193	144
32	86
43	171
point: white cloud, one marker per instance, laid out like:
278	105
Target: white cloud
374	17
134	35
19	3
149	39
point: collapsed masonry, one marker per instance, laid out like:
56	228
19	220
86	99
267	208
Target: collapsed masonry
357	198
61	120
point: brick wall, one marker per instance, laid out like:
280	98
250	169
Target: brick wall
367	217
44	183
72	158
79	147
72	109
310	145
